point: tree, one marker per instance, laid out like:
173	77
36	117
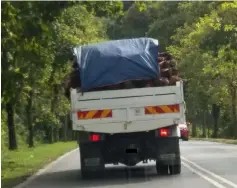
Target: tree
203	42
27	56
75	26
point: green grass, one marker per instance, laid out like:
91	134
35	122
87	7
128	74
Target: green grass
20	164
220	140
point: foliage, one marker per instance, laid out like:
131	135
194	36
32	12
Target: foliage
202	38
38	38
104	8
17	165
207	56
37	42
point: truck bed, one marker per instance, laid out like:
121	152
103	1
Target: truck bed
128	110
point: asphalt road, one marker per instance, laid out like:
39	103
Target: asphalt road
204	165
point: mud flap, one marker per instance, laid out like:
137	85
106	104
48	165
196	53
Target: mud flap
92	161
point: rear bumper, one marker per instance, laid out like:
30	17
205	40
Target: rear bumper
131	149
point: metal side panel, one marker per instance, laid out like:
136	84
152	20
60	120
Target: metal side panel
128	102
111	94
125	126
125	111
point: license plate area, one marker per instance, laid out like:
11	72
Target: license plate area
131	150
92	161
170	156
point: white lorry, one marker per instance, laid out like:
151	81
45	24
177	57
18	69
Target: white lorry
129	126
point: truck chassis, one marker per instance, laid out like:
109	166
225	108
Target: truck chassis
128	149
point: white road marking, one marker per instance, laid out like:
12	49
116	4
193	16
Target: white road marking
186	164
213	182
43	170
210	173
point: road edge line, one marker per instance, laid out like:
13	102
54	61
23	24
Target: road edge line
213	182
228	182
44	169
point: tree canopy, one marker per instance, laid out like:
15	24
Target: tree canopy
37	42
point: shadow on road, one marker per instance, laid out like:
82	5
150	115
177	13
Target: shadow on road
113	176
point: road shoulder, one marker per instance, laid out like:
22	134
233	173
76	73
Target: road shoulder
22	165
218	140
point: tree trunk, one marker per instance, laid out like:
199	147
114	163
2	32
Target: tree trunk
234	110
208	132
53	102
50	135
30	120
208	121
60	134
56	134
204	127
215	131
69	128
12	143
194	129
70	132
73	135
65	127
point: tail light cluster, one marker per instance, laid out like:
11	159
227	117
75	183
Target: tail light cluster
94	137
164	132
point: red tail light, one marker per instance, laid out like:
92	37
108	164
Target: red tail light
94	137
164	132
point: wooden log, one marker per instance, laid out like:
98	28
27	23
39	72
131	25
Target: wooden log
166	73
174	79
128	85
166	55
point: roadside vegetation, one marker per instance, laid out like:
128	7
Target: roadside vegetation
202	38
219	140
36	41
36	53
20	164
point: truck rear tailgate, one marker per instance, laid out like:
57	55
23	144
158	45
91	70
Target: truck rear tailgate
130	110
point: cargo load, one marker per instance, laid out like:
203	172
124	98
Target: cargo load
121	64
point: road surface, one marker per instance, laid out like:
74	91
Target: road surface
204	165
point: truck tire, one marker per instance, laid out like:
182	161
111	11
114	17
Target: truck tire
175	169
162	169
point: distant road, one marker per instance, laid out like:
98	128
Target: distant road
204	165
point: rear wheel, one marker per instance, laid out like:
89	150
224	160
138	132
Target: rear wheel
175	169
161	169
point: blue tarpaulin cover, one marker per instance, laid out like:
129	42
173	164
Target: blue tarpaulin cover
112	62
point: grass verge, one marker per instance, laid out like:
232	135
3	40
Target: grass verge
220	140
20	164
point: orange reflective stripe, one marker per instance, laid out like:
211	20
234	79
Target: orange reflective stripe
166	109
94	114
105	113
90	114
162	109
150	109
